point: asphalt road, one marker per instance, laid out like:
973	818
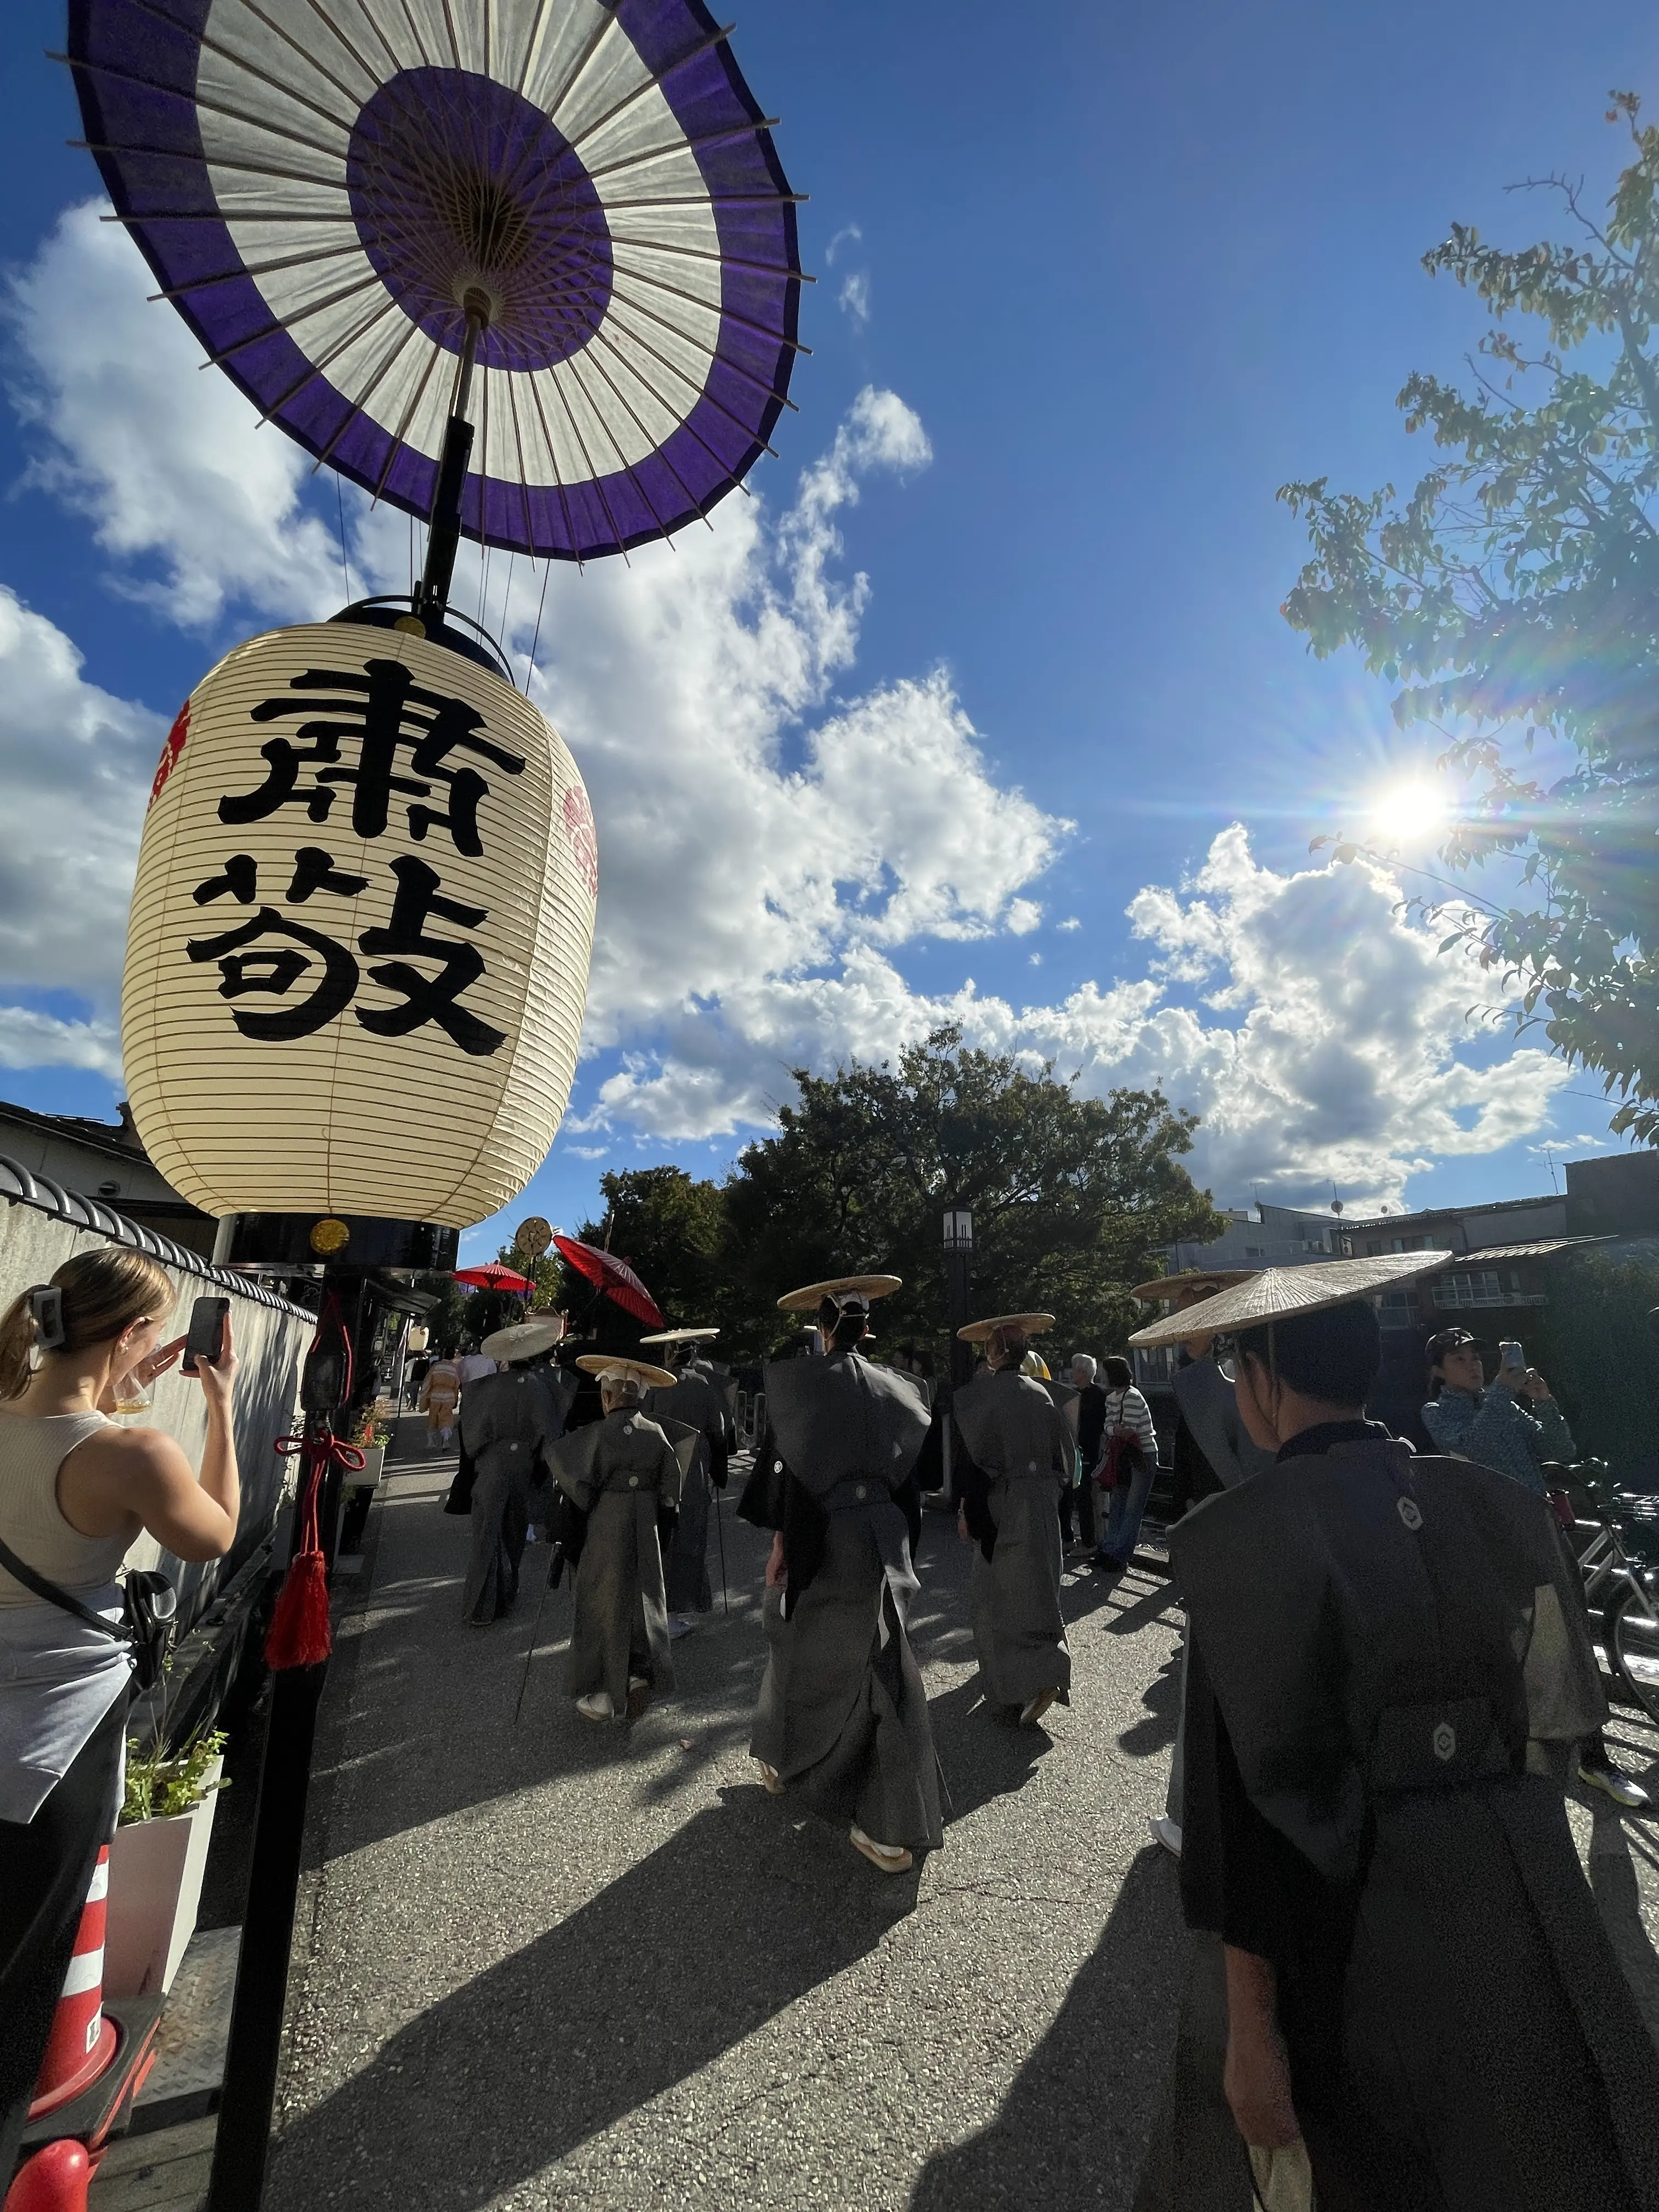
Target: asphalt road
543	1964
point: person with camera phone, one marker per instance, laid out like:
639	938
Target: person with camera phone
76	1490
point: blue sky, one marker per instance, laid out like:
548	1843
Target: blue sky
1092	284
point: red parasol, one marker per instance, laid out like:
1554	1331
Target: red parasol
490	1275
614	1277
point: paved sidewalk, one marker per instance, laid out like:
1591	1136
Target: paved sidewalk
541	1964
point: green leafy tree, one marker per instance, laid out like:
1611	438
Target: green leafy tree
1514	595
1593	1341
448	1322
1072	1197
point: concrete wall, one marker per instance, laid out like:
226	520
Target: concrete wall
270	1342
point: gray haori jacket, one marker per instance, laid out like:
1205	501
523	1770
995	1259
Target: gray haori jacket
626	1452
1012	1432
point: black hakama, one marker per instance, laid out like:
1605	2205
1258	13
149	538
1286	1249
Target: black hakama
843	1715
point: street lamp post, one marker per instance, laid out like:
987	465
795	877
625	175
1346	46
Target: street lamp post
959	1261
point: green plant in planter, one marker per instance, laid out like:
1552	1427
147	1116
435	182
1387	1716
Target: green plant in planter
160	1785
371	1428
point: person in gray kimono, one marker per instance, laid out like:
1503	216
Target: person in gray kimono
696	1399
843	1715
619	1479
1018	1454
509	1421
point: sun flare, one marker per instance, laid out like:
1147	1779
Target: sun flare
1409	810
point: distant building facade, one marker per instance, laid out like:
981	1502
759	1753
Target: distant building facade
1501	1276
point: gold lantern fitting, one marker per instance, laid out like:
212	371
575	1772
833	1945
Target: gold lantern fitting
357	962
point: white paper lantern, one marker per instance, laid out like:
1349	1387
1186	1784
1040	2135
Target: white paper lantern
358	955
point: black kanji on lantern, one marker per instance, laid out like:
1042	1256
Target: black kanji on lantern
298	954
383	713
415	904
271	955
313	870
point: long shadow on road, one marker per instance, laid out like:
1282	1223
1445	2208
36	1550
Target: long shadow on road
734	1919
1074	2127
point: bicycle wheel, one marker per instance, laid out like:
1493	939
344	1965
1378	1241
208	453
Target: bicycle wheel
1632	1629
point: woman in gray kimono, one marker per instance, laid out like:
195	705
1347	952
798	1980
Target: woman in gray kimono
620	1482
842	1717
1018	1456
1419	2007
696	1399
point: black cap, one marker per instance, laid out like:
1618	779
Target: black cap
1445	1340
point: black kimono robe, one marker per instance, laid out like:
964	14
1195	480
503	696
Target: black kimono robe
695	1400
843	1713
620	1477
509	1422
1018	1460
1376	1642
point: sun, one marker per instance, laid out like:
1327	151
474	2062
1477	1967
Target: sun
1407	813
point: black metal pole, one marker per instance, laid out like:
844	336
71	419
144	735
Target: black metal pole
243	2139
444	532
252	2056
958	1260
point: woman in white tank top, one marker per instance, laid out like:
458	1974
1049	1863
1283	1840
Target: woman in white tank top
76	1493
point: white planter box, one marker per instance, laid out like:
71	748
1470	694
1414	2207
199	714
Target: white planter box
373	1466
156	1869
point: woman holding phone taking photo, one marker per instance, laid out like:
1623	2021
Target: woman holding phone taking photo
76	1492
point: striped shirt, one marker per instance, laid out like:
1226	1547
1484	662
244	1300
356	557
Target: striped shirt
1127	1409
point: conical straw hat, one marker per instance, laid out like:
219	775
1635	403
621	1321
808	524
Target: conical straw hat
1277	1293
610	1363
525	1340
981	1332
812	1296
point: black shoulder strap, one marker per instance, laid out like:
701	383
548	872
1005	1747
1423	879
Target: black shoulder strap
21	1571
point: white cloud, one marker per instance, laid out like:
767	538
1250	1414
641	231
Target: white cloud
766	847
1070	922
29	1039
848	234
76	765
162	455
853	298
1314	1024
770	847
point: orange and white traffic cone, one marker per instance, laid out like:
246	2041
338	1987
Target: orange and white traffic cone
82	2042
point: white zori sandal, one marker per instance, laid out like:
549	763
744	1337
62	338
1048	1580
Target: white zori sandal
771	1780
1031	1714
596	1706
888	1858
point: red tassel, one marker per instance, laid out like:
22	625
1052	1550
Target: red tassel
300	1634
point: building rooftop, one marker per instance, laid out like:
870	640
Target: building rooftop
1538	1249
119	1139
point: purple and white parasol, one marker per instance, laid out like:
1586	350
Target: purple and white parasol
362	206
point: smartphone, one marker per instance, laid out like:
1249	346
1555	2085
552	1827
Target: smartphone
1509	1354
206	1340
